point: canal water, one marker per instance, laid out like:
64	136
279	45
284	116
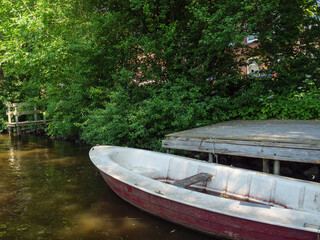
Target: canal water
50	190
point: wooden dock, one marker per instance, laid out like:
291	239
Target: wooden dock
18	109
278	140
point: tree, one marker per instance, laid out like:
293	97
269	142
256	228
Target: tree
128	72
288	33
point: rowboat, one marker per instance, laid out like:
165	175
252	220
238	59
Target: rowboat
214	199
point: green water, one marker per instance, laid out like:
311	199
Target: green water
50	190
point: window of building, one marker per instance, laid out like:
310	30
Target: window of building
253	67
252	38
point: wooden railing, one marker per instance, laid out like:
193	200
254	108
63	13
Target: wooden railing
15	110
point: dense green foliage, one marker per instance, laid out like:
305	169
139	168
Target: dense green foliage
128	72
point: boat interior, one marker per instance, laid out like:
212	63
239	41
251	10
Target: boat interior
220	180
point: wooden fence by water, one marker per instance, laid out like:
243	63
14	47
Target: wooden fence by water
15	110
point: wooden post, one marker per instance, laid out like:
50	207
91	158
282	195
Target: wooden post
9	113
10	130
265	165
35	113
16	116
44	116
216	157
210	157
9	119
168	150
276	167
35	116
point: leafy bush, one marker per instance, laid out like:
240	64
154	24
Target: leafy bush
264	99
145	123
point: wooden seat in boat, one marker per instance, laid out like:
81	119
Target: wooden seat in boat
200	177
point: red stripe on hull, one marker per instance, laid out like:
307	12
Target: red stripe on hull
211	223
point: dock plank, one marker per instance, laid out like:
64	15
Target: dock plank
285	131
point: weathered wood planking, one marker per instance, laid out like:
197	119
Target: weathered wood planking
25	123
287	140
20	113
297	154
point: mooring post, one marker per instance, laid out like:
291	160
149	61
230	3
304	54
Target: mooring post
216	157
210	157
265	165
276	167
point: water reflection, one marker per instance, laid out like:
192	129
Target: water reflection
51	190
